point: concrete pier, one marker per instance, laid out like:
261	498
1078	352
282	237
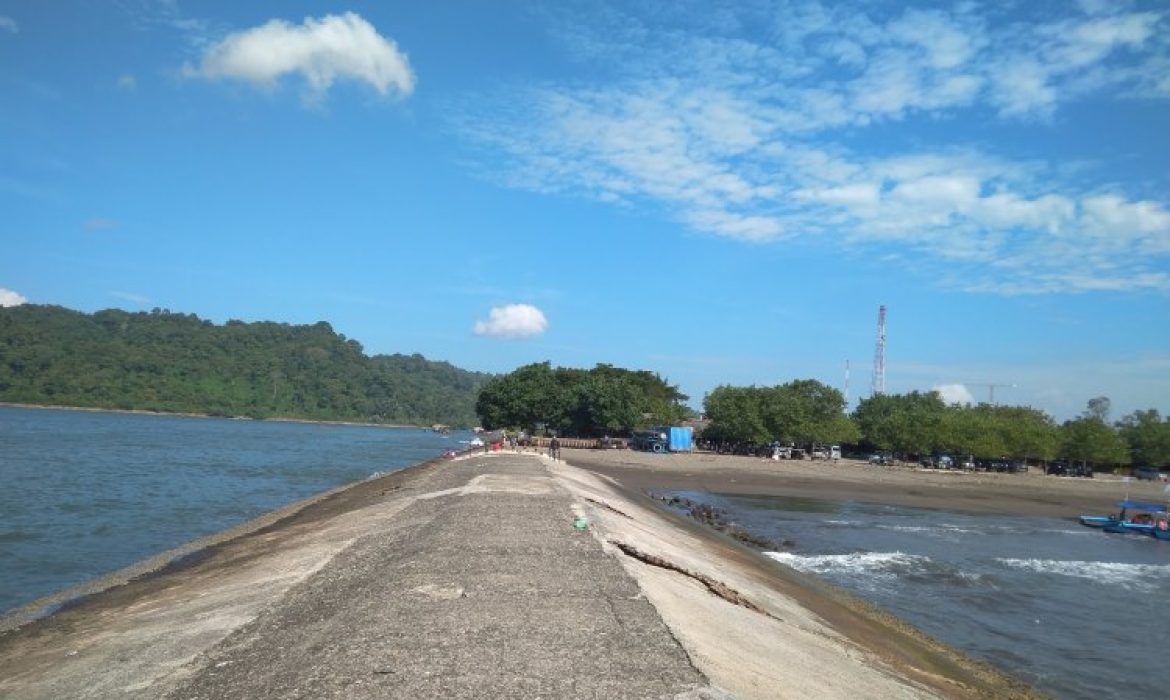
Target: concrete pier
481	588
458	579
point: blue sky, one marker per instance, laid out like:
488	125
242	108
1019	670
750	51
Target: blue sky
723	193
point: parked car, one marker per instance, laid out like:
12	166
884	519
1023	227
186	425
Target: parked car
1057	468
1063	468
882	458
1147	473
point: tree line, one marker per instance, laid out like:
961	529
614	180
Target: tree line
173	362
605	400
807	412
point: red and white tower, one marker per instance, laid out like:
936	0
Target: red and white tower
879	354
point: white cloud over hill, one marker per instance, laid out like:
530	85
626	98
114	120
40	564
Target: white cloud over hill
11	298
512	321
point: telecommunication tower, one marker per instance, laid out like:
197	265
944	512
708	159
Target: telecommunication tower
847	386
879	354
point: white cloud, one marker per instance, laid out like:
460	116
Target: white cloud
512	321
320	50
8	24
127	82
743	134
954	393
11	298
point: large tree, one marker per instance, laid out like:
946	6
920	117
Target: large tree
736	415
999	431
803	411
603	400
1091	440
1148	437
1028	432
909	424
608	404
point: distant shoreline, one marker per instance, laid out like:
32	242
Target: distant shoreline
178	414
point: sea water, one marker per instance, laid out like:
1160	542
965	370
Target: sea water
83	494
1070	610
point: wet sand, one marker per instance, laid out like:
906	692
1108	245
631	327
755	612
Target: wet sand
1029	493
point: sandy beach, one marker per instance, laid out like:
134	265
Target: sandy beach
1031	493
750	627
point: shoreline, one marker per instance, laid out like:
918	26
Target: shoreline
224	581
176	414
852	480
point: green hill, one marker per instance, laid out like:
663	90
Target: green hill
171	362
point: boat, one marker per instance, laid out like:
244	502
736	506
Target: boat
1149	519
1098	520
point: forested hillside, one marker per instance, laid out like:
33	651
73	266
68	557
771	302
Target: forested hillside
173	362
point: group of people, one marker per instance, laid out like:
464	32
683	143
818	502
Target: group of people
516	442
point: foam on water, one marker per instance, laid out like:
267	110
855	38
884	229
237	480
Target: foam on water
885	565
1141	577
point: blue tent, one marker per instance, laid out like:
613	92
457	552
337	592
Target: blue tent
682	439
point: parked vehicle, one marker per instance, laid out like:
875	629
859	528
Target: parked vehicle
882	458
781	451
1147	473
649	441
1062	468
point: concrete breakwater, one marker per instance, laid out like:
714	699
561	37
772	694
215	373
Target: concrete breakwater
468	579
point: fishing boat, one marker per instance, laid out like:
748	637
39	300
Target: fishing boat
1142	521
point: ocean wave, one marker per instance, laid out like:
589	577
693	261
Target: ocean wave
1130	576
887	564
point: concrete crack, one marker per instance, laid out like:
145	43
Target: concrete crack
717	588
